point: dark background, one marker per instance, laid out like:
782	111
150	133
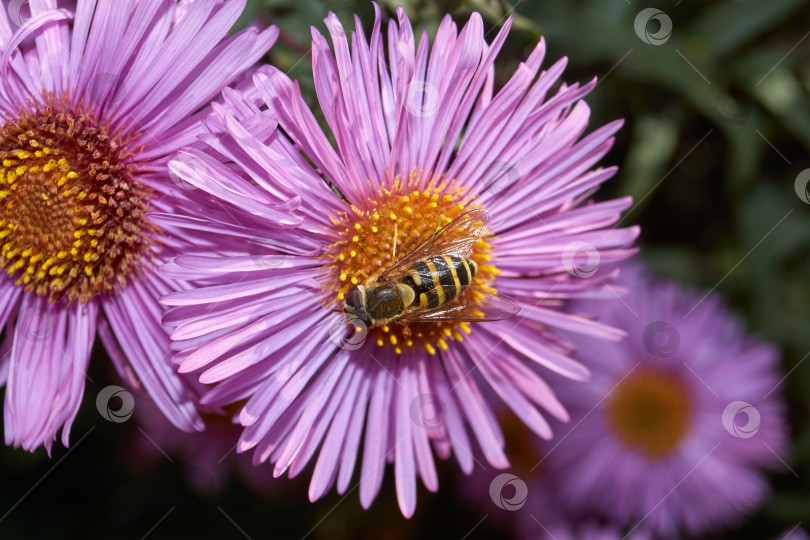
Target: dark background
718	129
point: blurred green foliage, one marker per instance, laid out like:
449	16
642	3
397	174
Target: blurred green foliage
717	131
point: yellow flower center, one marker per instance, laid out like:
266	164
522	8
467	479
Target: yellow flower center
72	218
651	411
392	223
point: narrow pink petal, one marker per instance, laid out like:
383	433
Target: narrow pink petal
375	445
404	466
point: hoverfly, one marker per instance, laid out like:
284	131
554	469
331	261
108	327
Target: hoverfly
432	283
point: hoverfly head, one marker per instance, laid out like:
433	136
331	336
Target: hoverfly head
355	304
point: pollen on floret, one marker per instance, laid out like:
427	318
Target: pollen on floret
66	175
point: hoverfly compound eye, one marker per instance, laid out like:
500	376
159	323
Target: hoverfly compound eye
354	298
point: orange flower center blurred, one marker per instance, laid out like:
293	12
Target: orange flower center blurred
651	412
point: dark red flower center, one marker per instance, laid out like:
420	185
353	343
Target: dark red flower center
72	217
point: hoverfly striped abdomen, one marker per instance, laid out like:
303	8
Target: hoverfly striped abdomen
439	279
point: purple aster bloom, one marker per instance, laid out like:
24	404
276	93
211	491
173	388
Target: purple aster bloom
678	420
94	99
283	223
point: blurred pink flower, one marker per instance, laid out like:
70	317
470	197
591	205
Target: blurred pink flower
677	422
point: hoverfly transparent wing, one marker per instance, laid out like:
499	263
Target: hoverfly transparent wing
456	238
486	307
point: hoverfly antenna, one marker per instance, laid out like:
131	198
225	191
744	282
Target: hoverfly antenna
438	223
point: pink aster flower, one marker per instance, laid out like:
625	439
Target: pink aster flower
673	430
283	223
93	102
